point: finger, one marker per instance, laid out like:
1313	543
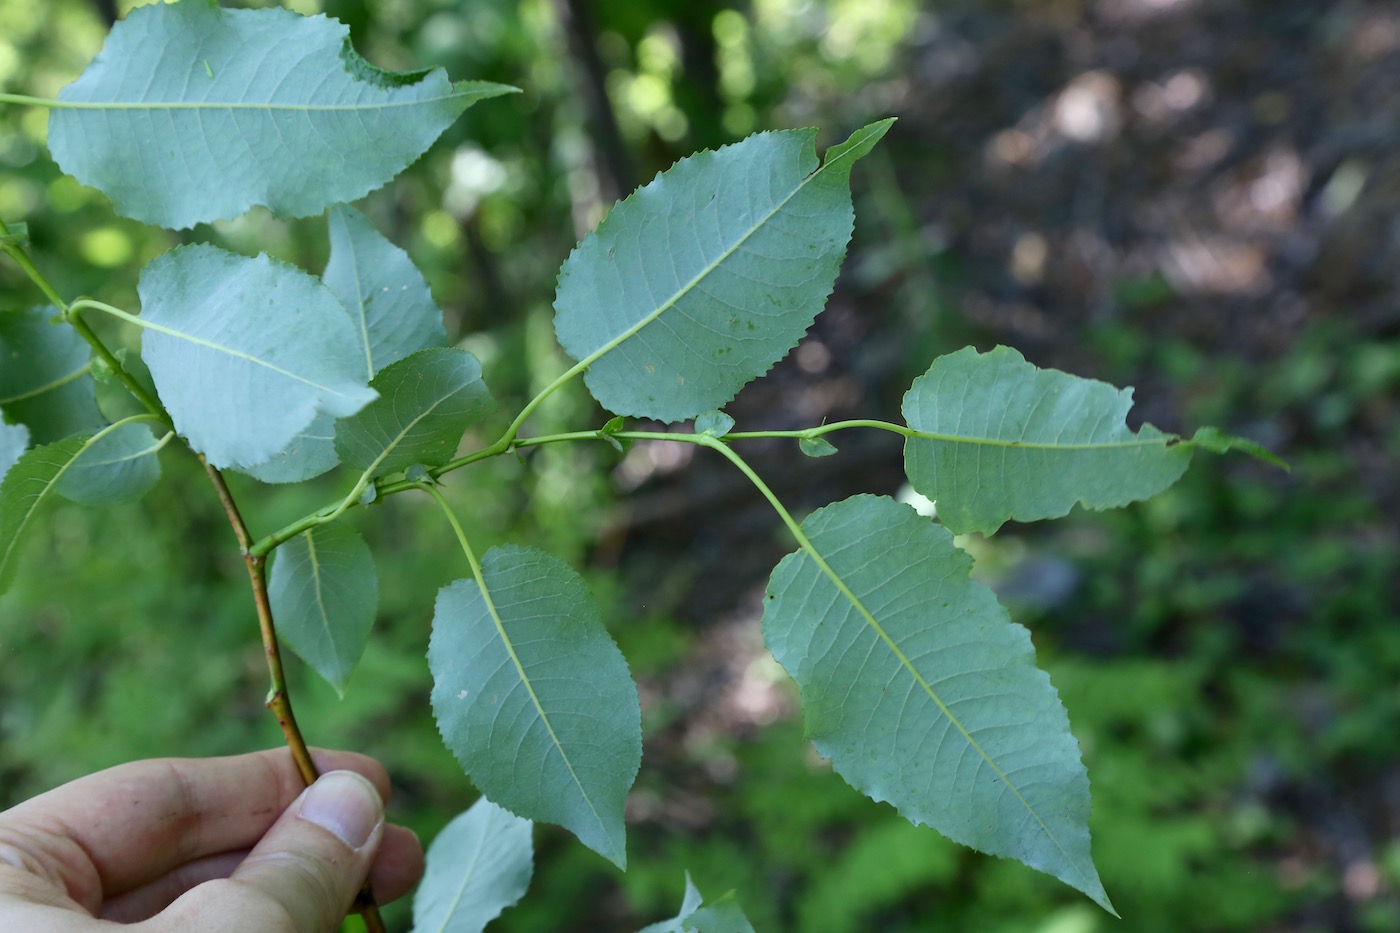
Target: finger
124	827
151	898
304	874
399	866
395	871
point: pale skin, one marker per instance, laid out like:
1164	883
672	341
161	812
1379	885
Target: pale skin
212	845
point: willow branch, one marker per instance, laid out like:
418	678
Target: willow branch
279	701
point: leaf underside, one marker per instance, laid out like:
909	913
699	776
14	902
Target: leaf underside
722	916
247	352
382	290
324	594
192	113
479	865
923	693
14	440
702	279
534	698
44	380
393	315
309	453
1026	443
120	466
27	486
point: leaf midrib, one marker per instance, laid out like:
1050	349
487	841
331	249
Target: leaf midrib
407	428
316	586
148	324
710	268
363	313
466	879
534	698
38	499
48	386
236	105
810	549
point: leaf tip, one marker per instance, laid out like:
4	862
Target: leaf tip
483	90
859	143
1218	442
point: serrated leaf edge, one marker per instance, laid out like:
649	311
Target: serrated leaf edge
534	698
85	444
407	428
810	550
840	156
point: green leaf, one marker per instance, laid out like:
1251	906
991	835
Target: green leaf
816	446
27	486
1001	439
246	352
479	865
714	423
426	403
382	291
704	278
44	377
310	453
393	313
723	916
324	594
923	693
533	697
192	113
1218	442
120	466
16	235
609	431
14	440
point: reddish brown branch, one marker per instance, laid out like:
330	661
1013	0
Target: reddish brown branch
278	701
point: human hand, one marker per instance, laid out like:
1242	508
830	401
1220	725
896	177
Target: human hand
211	845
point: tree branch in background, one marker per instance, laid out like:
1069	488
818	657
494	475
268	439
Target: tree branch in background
107	9
616	173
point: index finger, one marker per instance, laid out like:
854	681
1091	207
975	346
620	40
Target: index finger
136	822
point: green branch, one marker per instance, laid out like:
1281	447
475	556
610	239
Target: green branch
69	312
904	431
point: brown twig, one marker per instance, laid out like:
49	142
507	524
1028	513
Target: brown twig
278	700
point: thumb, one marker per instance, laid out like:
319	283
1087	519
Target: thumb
302	877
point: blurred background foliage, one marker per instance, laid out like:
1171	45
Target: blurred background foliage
1194	197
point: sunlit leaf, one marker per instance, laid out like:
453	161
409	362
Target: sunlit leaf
1005	440
722	916
119	466
44	379
923	693
324	595
246	352
704	278
26	487
192	113
533	697
382	291
426	402
479	865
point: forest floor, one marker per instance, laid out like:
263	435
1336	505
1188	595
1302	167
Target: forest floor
1198	199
